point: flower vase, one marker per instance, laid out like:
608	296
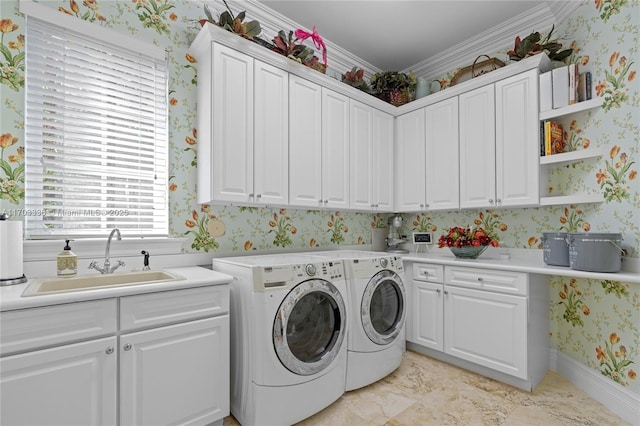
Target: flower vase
468	252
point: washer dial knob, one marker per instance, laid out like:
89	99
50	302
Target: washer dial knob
384	262
310	270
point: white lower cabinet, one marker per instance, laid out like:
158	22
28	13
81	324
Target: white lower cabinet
172	374
487	328
493	322
73	384
166	363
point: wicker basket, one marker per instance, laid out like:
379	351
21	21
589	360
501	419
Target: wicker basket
396	97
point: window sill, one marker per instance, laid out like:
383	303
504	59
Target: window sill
37	250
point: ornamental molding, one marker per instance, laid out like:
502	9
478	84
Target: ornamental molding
541	18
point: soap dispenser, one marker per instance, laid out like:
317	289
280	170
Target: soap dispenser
67	261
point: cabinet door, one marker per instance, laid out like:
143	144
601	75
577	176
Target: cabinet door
410	162
517	149
176	374
232	154
361	156
382	166
271	146
67	385
305	143
335	150
442	175
477	148
486	328
428	315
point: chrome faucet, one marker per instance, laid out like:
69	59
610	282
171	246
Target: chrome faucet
107	268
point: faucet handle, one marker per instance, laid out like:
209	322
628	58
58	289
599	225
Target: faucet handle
119	264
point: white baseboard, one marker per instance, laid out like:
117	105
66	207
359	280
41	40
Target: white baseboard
615	397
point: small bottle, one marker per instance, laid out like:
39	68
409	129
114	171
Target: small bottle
67	262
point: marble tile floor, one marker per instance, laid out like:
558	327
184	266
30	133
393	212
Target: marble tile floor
425	391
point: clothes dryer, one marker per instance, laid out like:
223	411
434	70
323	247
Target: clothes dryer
376	340
288	336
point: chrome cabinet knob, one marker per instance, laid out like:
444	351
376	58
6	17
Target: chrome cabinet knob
109	350
127	346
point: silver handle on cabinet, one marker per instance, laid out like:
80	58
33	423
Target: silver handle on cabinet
109	350
259	196
446	292
127	346
421	206
438	291
490	200
498	201
480	279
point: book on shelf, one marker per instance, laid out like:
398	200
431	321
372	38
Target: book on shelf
587	85
546	92
560	85
553	138
573	83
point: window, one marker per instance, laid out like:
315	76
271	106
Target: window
96	130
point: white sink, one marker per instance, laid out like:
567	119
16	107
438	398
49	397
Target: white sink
91	282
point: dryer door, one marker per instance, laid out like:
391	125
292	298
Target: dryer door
310	326
383	307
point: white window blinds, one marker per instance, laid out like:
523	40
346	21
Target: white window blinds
96	136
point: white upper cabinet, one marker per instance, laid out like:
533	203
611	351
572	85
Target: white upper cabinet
371	158
517	135
383	155
477	148
335	150
361	156
230	129
499	144
409	167
442	171
271	146
273	132
305	143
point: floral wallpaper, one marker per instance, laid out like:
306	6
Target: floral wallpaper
596	322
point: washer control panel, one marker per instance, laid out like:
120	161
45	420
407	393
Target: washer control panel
329	270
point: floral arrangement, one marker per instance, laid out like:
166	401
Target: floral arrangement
290	46
466	237
394	87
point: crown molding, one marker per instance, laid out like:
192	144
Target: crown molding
339	60
540	18
488	42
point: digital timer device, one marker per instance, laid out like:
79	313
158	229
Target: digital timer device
422	238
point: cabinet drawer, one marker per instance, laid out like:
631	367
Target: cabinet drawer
487	279
428	272
32	328
168	307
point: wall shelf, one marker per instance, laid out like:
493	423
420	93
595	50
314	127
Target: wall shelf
571	157
571	199
571	109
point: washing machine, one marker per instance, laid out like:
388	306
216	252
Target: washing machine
376	337
289	321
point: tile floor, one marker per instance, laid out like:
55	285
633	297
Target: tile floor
425	391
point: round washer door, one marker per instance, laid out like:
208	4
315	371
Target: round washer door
383	307
309	328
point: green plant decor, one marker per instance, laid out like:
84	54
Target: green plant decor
235	24
355	78
534	43
394	87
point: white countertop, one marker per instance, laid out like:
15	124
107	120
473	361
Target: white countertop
11	296
519	260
